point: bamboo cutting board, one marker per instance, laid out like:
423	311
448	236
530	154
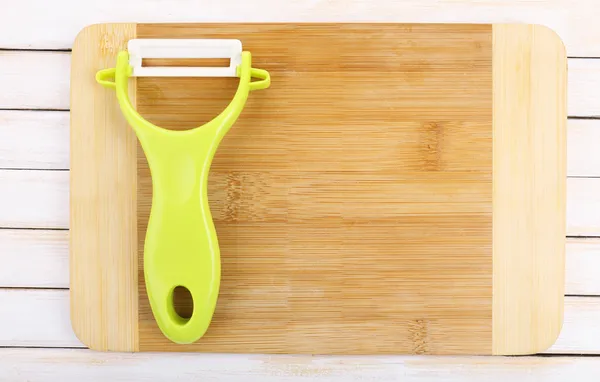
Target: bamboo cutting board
400	188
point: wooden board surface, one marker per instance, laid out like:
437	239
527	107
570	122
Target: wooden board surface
353	199
102	192
529	187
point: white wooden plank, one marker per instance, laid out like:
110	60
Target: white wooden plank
75	365
583	206
34	258
581	328
582	267
36	317
40	80
584	87
56	27
34	80
583	155
40	258
34	139
34	199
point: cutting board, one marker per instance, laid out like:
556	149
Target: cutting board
400	189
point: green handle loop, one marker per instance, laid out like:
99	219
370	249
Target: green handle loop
181	246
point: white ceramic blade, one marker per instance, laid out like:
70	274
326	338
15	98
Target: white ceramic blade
184	48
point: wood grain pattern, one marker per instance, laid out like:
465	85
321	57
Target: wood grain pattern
356	223
353	223
40	259
35	140
580	333
75	365
90	366
103	212
530	66
48	84
40	199
55	27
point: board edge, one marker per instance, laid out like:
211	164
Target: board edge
529	188
103	303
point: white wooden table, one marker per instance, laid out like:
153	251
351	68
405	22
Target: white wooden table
36	340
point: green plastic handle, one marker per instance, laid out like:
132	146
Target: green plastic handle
181	246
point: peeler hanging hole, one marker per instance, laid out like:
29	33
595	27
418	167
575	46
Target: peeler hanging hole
183	302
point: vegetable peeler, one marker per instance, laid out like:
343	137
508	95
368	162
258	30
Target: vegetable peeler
181	247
